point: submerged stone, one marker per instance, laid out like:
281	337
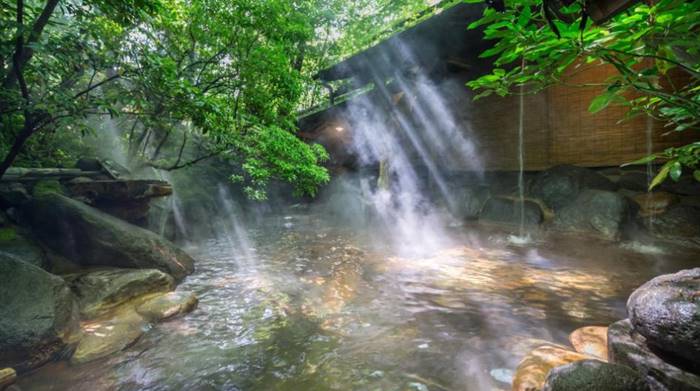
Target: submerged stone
167	305
627	347
591	340
533	369
594	375
93	238
651	204
99	291
7	377
502	375
38	314
104	337
666	311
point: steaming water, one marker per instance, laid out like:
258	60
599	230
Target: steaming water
322	307
413	149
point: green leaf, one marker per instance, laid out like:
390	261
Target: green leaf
600	102
676	171
696	175
644	160
662	175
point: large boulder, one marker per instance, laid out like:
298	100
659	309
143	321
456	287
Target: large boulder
93	238
560	185
471	201
38	314
13	194
126	199
629	348
678	221
16	243
508	210
666	311
100	291
597	211
594	375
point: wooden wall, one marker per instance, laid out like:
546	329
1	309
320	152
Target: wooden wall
558	129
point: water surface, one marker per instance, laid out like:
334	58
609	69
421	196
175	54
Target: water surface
296	303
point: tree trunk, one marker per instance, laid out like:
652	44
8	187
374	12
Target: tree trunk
34	36
21	138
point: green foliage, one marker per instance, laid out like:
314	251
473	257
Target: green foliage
7	234
224	77
47	187
647	45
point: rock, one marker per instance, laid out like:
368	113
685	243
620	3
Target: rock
112	169
634	180
126	199
38	314
8	376
118	190
594	375
167	305
502	375
20	246
598	211
591	340
13	194
533	369
108	336
507	210
560	185
93	238
666	311
471	201
89	164
47	186
686	185
629	348
679	220
651	204
100	291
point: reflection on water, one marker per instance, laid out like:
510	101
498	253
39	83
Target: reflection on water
314	307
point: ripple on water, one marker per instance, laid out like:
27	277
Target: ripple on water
315	308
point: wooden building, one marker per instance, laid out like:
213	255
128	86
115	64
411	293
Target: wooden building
558	129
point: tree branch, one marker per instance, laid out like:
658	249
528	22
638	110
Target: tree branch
34	36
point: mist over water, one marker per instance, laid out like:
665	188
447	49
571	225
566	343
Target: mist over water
405	127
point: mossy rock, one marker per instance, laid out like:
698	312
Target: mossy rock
38	314
594	375
19	245
46	187
90	237
7	234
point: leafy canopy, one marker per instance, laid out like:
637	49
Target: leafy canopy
648	45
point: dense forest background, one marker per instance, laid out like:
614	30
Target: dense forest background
183	81
186	81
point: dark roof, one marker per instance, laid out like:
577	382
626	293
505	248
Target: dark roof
440	38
